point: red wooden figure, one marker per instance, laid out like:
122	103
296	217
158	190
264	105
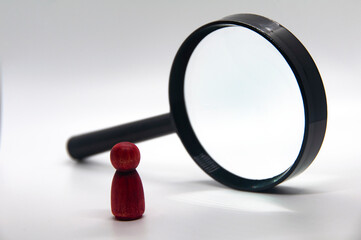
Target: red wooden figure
127	195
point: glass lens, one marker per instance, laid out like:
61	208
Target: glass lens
244	103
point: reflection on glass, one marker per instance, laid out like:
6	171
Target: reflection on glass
244	103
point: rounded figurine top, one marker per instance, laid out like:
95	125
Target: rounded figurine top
125	156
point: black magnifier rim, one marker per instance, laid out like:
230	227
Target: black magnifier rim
308	79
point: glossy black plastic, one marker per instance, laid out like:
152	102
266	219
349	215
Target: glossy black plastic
88	144
309	81
303	67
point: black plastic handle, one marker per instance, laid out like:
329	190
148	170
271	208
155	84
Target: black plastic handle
85	145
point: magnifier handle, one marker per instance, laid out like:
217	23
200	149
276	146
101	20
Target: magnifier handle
85	145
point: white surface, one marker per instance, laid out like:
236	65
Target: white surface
73	66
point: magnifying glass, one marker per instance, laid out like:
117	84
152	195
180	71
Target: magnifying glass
246	100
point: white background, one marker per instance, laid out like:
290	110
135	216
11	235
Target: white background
68	67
